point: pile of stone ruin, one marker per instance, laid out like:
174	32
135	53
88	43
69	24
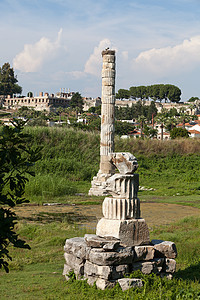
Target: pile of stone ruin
106	261
121	244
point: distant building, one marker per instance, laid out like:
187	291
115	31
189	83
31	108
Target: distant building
42	102
91	102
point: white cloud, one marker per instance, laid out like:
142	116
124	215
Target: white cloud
93	64
77	74
33	56
182	57
125	55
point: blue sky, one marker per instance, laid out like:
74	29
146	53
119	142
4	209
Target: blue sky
55	44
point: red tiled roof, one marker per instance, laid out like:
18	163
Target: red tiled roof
194	131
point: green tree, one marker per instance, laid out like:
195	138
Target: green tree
133	92
174	94
60	110
8	81
179	133
76	102
123	94
183	117
192	99
122	128
161	119
142	120
149	131
152	111
16	158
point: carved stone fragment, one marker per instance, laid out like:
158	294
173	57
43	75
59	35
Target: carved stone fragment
127	283
164	248
125	162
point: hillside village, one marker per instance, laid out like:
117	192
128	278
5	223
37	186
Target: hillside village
165	117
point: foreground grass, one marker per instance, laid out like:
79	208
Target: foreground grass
37	274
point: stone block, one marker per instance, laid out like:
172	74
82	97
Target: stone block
90	279
75	263
95	241
111	246
131	232
105	284
102	258
148	267
164	248
91	269
127	283
169	265
144	253
120	271
76	246
159	262
66	271
145	267
166	275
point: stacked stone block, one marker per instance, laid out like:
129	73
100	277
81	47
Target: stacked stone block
106	261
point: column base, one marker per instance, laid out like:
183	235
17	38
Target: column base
99	187
132	232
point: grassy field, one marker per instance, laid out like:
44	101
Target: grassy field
70	159
36	273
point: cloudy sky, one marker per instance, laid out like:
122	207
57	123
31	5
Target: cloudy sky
55	44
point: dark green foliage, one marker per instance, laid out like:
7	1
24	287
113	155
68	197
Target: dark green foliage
156	92
16	158
192	99
76	102
123	128
135	111
123	94
179	133
8	81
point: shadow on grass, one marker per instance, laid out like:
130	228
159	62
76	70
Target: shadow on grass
190	273
69	217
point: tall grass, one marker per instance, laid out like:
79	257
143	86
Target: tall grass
70	156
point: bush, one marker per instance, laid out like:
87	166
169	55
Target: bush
179	133
15	160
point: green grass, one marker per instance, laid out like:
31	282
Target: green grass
190	200
37	273
70	159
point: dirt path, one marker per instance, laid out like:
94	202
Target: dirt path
155	214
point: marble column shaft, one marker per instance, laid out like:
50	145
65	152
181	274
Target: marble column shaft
107	111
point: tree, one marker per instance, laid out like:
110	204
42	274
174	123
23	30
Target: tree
179	133
122	128
16	159
142	121
60	111
152	111
76	103
183	116
174	94
123	94
150	132
133	92
192	99
8	81
161	119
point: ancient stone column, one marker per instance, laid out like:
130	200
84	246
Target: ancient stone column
107	124
107	111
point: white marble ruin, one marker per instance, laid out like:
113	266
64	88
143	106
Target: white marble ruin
121	244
